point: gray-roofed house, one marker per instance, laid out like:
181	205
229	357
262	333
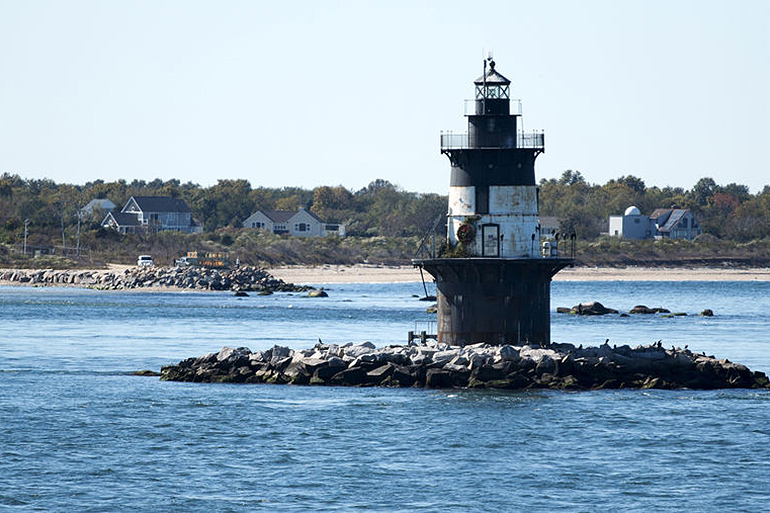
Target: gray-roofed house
300	223
122	222
549	226
676	223
97	207
153	213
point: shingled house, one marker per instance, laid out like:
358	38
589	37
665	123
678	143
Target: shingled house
96	207
152	213
300	223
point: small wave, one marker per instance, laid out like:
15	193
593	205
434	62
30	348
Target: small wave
65	372
12	501
101	472
284	459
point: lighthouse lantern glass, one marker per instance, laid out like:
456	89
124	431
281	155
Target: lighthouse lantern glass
492	91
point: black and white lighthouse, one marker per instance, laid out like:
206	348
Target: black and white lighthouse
493	277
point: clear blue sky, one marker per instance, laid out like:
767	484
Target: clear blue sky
310	93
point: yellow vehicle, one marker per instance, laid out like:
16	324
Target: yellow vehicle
215	260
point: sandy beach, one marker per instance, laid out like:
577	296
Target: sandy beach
365	273
398	274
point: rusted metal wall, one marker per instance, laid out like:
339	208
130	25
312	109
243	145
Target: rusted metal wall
494	300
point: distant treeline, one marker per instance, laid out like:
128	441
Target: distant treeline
728	212
380	209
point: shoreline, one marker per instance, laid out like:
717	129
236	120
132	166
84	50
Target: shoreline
369	273
363	273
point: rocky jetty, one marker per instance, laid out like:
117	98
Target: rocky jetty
433	365
244	278
596	308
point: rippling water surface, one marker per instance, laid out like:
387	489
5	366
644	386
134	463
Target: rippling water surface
79	432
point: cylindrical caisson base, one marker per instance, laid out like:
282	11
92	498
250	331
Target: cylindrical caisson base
493	300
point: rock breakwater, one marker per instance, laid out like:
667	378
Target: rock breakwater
560	366
596	308
244	278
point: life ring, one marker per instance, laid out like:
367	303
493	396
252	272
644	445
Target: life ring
466	233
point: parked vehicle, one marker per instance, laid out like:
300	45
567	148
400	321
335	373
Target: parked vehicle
215	260
183	262
145	260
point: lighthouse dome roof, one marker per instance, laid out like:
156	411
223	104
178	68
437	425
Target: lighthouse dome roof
492	77
632	211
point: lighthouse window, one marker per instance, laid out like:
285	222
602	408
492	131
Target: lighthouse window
491	240
482	199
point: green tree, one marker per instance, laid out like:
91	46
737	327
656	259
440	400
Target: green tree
227	203
633	183
332	204
703	190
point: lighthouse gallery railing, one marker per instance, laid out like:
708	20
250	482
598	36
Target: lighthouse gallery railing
529	140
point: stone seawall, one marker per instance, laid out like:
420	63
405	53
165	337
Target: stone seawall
561	366
244	278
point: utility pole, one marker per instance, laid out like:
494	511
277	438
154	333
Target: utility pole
80	215
26	223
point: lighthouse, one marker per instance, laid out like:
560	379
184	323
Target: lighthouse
493	274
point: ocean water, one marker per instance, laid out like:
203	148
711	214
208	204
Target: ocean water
79	432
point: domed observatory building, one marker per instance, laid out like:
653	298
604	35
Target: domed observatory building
493	277
631	225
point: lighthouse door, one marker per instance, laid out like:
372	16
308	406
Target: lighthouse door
490	234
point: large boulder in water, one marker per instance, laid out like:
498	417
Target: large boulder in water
643	309
233	357
592	308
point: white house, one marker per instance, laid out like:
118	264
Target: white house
674	223
300	223
632	225
549	226
156	213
